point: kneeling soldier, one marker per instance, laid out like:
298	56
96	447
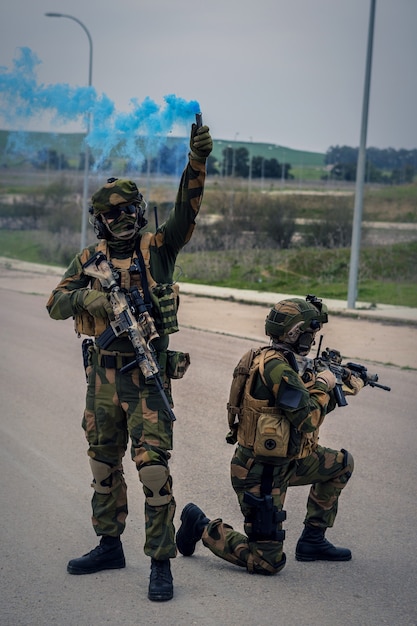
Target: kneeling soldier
277	404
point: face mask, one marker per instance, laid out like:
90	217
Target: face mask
124	227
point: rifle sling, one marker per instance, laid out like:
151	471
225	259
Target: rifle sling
144	279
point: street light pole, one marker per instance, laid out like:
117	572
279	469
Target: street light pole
84	215
360	171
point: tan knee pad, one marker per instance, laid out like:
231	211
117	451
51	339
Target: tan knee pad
101	472
154	478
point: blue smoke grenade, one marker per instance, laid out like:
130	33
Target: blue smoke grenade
22	98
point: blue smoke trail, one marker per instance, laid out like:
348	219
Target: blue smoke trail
22	99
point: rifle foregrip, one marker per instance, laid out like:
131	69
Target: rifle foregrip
339	395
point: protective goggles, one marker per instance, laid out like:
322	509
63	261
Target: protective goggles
115	212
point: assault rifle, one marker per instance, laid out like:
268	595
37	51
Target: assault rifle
131	317
332	360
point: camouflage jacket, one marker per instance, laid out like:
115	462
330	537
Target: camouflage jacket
164	246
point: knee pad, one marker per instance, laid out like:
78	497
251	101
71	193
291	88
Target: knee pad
156	479
102	476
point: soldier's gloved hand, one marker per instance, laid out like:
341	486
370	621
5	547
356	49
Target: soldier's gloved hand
328	378
346	375
353	386
97	304
201	143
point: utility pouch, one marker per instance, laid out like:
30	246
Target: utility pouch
177	364
165	300
86	324
272	435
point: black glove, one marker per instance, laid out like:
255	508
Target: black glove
201	143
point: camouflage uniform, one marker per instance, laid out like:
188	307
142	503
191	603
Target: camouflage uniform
122	406
306	463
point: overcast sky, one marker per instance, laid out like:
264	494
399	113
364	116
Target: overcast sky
287	72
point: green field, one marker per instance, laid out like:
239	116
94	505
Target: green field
386	274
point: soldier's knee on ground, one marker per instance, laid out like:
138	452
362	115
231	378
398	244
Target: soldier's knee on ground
103	476
157	484
266	559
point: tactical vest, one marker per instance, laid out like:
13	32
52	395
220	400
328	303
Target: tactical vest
164	297
260	427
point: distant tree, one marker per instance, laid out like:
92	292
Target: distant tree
341	155
212	166
168	161
268	168
401	176
235	162
91	161
348	172
401	163
46	158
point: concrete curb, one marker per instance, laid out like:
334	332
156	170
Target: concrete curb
364	310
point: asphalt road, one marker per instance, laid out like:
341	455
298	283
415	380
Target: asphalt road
45	496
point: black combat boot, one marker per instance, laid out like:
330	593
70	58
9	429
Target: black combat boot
312	546
193	523
160	583
107	555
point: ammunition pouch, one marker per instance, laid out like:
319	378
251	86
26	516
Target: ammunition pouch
165	301
86	324
264	518
177	364
272	435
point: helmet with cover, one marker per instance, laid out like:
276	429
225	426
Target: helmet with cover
118	209
295	321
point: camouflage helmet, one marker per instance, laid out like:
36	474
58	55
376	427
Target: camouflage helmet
295	313
115	191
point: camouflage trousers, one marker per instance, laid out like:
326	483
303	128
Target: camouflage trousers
119	407
325	469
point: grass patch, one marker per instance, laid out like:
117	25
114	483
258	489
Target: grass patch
22	245
386	274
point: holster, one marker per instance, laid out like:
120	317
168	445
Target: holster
264	518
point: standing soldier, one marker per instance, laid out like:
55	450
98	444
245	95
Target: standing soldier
279	401
119	404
